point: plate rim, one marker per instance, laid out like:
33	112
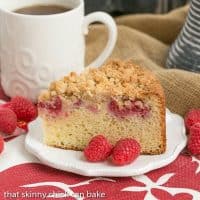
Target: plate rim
126	173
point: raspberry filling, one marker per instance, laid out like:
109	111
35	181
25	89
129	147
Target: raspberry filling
54	106
79	103
136	107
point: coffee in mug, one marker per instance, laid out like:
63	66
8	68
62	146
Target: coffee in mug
42	10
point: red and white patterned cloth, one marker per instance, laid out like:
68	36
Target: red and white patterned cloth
22	176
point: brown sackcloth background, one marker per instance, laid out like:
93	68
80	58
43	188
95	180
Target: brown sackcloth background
146	39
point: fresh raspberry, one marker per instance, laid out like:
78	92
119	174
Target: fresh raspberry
22	125
192	117
98	149
8	120
194	139
23	108
125	151
5	105
1	144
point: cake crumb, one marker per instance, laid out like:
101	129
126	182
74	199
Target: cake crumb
114	79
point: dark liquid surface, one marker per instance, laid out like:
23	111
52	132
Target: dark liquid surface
42	10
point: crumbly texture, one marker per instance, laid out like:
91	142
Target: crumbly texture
117	79
122	81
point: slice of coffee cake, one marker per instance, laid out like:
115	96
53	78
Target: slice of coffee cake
118	100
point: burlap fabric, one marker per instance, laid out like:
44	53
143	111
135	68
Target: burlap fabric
146	39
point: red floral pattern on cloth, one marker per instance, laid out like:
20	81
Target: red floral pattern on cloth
31	181
179	180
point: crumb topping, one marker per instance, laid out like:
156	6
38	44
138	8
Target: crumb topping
116	79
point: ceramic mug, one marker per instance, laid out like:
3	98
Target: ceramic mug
37	49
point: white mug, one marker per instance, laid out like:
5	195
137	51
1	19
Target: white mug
37	49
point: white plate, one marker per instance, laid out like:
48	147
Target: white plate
73	161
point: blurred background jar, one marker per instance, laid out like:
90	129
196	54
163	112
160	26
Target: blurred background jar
120	7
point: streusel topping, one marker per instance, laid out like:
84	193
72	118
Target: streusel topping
115	79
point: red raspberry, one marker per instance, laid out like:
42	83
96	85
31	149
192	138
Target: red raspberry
5	105
194	139
135	108
98	149
1	144
54	105
23	108
125	151
23	125
192	117
8	120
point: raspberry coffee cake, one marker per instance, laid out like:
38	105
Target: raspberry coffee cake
118	100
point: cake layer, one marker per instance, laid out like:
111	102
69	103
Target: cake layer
118	100
73	125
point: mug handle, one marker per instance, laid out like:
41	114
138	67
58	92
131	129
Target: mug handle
112	30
